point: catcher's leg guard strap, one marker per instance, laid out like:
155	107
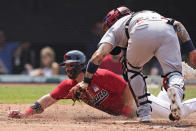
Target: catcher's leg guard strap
145	101
138	86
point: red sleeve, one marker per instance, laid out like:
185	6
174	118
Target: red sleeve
62	90
105	62
110	65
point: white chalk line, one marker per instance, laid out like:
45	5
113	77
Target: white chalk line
98	127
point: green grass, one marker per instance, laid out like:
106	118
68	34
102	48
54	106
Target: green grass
154	91
31	93
25	94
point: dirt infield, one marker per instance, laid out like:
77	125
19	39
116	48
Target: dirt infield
83	118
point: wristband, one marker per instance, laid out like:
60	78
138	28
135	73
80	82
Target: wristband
37	108
188	46
87	80
91	67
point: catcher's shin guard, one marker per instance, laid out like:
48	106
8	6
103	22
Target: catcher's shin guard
138	87
174	85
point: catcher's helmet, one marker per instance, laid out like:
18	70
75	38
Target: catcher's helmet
114	15
77	57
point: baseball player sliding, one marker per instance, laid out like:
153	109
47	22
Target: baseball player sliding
108	92
144	34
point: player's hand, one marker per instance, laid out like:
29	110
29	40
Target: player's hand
82	86
192	57
15	114
80	92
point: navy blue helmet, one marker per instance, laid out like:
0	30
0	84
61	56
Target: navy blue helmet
76	57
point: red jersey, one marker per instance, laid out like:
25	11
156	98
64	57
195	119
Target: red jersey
106	88
108	64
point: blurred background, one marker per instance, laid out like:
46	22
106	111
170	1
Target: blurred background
35	34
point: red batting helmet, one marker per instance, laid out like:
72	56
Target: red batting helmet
114	15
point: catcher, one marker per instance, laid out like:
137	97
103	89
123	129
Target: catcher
144	34
108	92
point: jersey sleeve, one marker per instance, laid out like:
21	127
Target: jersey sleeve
109	37
62	90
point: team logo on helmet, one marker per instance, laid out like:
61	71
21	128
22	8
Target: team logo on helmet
66	57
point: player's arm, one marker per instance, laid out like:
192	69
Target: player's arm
40	105
37	108
181	32
187	44
96	60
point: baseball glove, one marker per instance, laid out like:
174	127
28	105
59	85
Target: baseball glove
14	114
77	93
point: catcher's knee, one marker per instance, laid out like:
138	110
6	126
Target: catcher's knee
174	80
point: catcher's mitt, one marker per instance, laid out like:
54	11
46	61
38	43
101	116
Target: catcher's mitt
77	93
14	114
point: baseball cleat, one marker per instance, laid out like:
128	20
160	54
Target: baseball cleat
171	117
145	119
175	100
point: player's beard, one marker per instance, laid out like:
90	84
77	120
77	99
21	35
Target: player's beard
73	73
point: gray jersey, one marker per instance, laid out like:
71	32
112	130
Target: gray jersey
150	35
116	34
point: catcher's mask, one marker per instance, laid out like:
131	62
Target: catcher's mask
76	61
114	15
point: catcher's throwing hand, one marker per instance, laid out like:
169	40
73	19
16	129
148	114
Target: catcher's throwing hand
15	114
80	92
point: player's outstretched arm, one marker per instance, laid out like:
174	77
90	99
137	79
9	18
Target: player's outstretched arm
187	44
46	101
37	108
